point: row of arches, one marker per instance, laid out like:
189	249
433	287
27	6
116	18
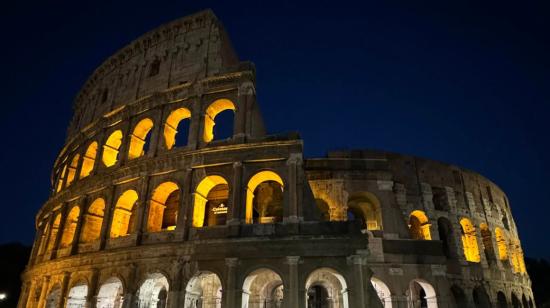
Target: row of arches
264	204
175	132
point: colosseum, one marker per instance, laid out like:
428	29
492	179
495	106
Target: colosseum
154	205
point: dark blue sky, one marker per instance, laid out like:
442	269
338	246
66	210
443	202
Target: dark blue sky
465	83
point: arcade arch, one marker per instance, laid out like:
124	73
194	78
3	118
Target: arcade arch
110	294
69	229
212	111
262	288
326	287
139	138
469	241
153	292
210	202
365	207
124	215
383	292
93	220
77	296
172	127
421	294
204	290
264	198
419	226
163	209
88	160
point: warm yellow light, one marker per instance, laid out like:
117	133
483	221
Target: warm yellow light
469	241
419	226
123	220
171	125
257	179
61	178
158	206
88	160
137	139
72	169
201	195
70	227
211	112
93	221
110	148
502	244
54	231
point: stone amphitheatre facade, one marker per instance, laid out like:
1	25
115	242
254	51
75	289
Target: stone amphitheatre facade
153	205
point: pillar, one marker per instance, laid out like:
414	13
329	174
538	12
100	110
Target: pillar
195	138
24	296
107	218
232	296
76	238
235	211
185	205
64	285
143	208
292	296
175	298
291	214
91	299
43	292
357	287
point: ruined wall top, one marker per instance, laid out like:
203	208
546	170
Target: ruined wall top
180	52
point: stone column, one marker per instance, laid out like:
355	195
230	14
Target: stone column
24	296
107	218
43	292
59	235
143	208
182	225
76	237
293	296
130	298
175	298
232	295
91	299
234	215
195	126
64	285
242	116
357	290
292	209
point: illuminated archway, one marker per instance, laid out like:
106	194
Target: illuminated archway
61	178
69	229
77	296
72	169
93	219
421	294
171	125
138	139
262	288
324	208
469	241
383	292
153	292
110	294
163	209
502	244
210	116
264	198
487	242
326	287
203	290
53	232
43	239
210	205
88	160
111	147
419	226
518	264
365	208
124	215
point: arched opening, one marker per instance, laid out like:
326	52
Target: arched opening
419	226
324	209
421	294
264	198
139	139
502	244
54	298
469	241
383	292
501	300
153	291
365	207
176	128
204	290
212	112
43	239
53	232
459	297
446	235
518	264
326	287
211	198
515	301
61	178
70	227
72	169
163	210
93	219
88	160
77	296
111	147
124	215
531	304
262	288
481	299
110	294
487	242
524	301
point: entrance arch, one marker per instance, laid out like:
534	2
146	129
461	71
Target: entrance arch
264	198
153	291
419	226
211	199
365	208
421	294
77	296
204	290
383	292
263	288
163	208
501	300
515	301
481	299
459	297
326	287
110	294
446	235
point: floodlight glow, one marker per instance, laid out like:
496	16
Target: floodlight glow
3	296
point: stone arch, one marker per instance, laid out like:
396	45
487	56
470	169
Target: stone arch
110	294
71	175
210	201
124	215
212	111
264	198
138	138
421	294
88	160
153	291
481	298
163	208
326	286
446	235
93	220
54	297
53	232
419	226
383	292
111	148
516	303
469	241
502	244
69	228
77	295
203	290
172	124
365	207
524	301
324	208
459	296
262	288
44	238
61	178
502	302
487	241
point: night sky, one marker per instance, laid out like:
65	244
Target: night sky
465	83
